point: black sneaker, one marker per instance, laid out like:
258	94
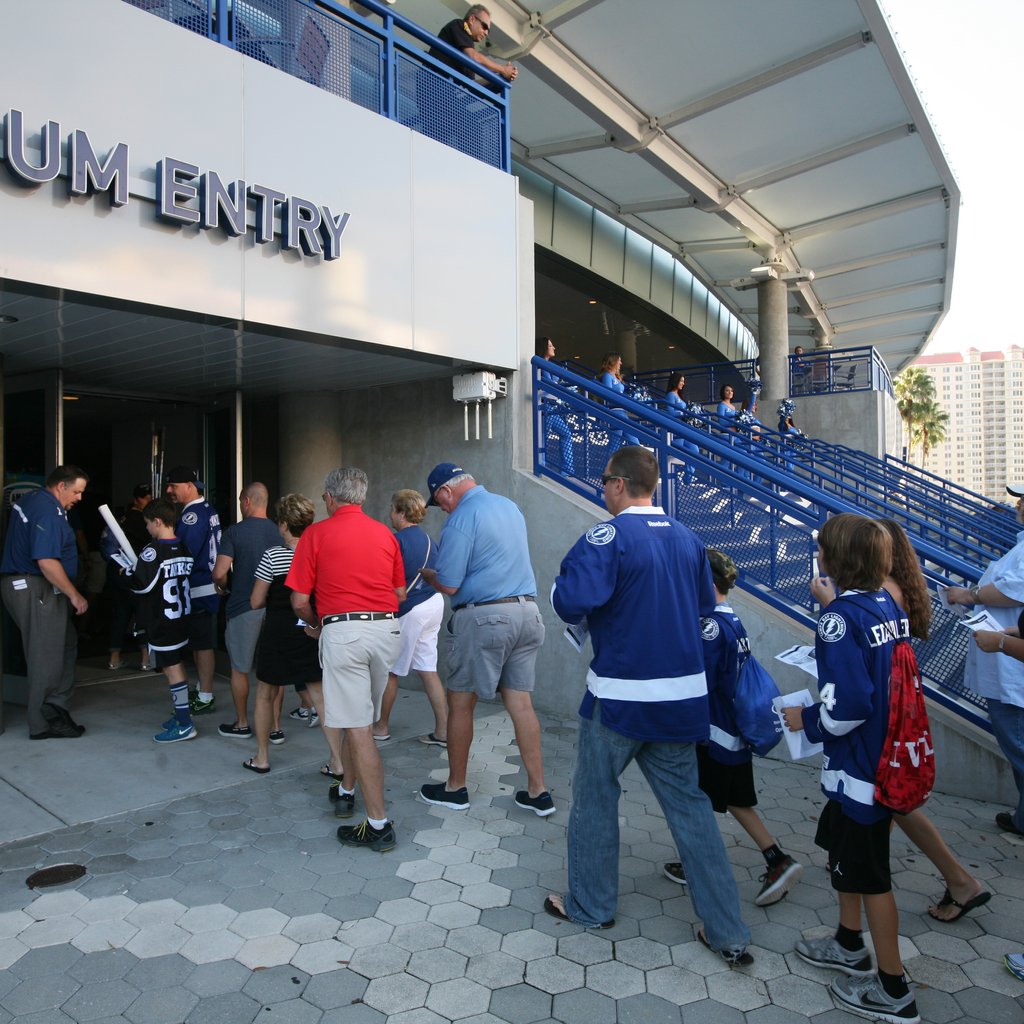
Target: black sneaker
367	836
778	881
541	805
234	730
436	793
276	737
674	870
1004	819
344	803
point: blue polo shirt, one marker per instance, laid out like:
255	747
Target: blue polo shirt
483	550
38	528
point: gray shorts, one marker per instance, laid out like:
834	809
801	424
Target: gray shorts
494	645
241	634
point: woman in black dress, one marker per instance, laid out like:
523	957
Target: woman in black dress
288	652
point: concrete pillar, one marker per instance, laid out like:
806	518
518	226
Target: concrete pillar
773	343
310	443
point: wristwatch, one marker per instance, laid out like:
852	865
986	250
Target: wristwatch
973	591
1002	641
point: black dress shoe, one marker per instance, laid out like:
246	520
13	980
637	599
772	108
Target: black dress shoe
58	716
58	731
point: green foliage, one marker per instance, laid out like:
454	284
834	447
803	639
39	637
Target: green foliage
924	418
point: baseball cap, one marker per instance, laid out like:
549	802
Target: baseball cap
184	475
439	476
142	491
1017	490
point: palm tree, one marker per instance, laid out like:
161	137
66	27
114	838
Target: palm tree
915	393
929	428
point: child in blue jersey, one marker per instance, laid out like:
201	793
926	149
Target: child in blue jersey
853	649
725	764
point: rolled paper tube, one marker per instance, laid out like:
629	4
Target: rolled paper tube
117	533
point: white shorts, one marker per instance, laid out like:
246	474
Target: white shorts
420	626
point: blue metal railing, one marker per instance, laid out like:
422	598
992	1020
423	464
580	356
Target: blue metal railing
382	67
822	372
760	498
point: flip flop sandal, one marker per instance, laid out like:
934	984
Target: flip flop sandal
255	767
326	770
962	908
552	908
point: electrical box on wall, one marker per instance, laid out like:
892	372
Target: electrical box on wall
478	387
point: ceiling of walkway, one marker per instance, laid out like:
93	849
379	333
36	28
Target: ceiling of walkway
735	134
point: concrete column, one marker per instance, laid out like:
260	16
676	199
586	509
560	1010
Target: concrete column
773	343
310	442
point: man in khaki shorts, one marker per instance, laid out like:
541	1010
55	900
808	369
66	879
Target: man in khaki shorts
349	567
494	633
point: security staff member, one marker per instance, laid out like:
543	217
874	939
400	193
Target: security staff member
39	562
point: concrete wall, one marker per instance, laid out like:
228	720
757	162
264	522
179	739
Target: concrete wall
865	420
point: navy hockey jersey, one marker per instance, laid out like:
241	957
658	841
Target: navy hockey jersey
726	647
161	581
642	581
853	649
199	530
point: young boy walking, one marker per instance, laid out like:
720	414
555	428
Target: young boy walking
853	648
725	765
160	580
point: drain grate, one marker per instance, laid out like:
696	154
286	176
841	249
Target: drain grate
59	874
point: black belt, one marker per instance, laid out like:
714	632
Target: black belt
358	617
497	600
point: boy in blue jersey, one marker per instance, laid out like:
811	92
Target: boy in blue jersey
725	768
642	582
853	649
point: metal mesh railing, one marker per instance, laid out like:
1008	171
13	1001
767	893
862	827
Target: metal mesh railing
754	498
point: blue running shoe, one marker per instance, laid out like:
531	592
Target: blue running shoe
176	733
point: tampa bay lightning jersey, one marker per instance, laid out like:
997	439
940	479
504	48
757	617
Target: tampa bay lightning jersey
160	580
726	648
199	530
853	649
642	581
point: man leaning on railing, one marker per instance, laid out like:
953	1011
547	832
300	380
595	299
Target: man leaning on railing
464	34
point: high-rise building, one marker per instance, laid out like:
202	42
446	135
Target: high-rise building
983	393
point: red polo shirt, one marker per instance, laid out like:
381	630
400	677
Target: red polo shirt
349	563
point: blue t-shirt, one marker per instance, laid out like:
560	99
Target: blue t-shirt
483	550
415	545
642	581
245	543
38	528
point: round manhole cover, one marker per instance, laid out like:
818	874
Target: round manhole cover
59	874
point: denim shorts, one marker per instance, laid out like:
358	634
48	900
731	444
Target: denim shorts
494	645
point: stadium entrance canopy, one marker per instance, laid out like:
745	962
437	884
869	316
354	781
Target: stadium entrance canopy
736	134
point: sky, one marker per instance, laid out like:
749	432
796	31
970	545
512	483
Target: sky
963	57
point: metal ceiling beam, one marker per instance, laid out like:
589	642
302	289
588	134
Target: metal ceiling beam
581	145
830	156
866	214
562	12
652	205
888	318
790	69
874	261
716	245
881	293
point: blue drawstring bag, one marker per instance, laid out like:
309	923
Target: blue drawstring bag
756	719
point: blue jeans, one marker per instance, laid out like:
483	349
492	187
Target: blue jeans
671	770
1008	726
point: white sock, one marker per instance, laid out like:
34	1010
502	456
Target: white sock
377	823
205	697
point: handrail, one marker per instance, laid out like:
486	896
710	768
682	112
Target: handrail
756	499
375	66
